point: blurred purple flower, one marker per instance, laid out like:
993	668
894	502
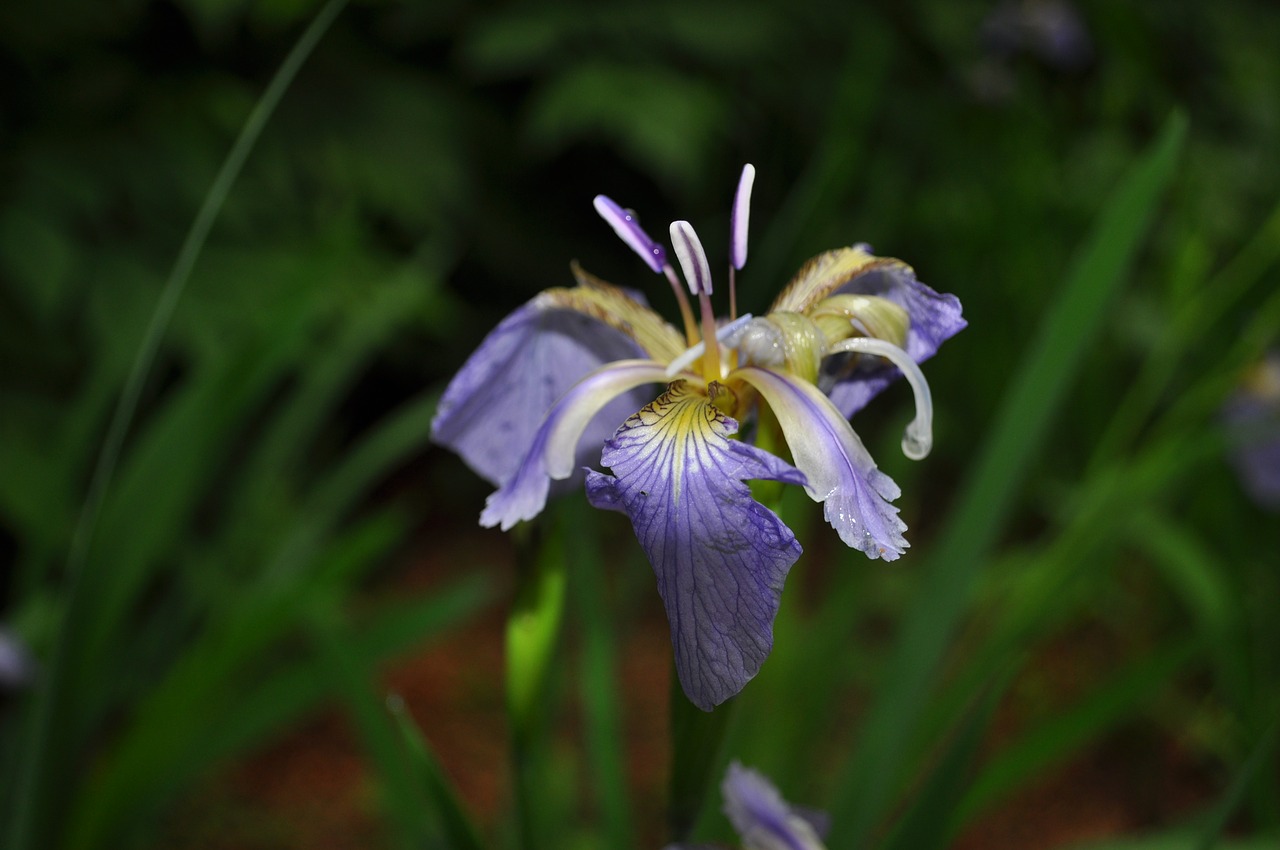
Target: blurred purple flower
762	818
1050	30
765	821
1253	417
17	669
573	370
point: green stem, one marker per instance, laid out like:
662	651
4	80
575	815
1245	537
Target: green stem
533	630
598	686
697	737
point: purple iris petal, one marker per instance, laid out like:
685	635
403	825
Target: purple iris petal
553	449
491	409
763	819
935	317
720	557
840	471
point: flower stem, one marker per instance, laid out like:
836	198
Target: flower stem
533	630
696	738
600	694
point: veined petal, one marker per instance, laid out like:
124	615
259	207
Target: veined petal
840	471
720	557
763	819
934	317
625	311
552	452
490	410
824	276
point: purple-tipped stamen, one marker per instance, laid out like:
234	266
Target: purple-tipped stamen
693	260
738	219
624	224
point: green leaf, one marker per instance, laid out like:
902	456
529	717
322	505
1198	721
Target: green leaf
664	121
871	779
403	432
599	688
1052	740
382	740
1180	840
433	784
47	768
232	691
1262	755
1198	579
202	691
930	821
697	745
532	641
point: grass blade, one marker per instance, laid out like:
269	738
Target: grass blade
381	739
46	765
599	686
930	820
532	636
869	781
434	786
1056	738
1221	813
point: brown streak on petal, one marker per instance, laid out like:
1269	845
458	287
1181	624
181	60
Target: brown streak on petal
611	305
826	274
615	307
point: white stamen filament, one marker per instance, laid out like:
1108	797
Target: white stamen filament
917	440
727	336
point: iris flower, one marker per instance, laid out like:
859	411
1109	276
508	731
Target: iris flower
575	371
762	818
1253	421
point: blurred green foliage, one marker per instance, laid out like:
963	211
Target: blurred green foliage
430	168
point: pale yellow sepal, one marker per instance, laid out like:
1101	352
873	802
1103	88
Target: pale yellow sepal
825	274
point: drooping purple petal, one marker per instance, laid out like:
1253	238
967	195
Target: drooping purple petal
491	409
719	556
840	471
762	818
552	453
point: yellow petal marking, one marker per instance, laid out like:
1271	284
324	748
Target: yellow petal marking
681	421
